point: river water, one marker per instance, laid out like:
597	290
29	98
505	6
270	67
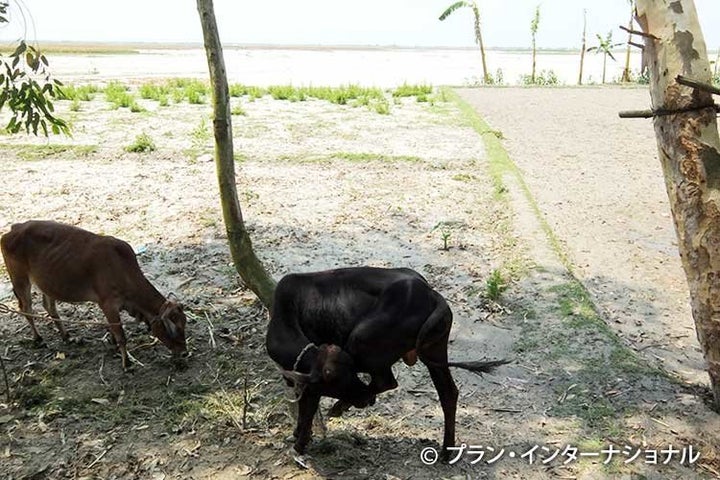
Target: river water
382	67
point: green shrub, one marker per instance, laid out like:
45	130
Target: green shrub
383	107
143	143
83	93
544	78
117	94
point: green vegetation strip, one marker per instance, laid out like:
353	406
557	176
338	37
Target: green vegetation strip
501	165
196	91
41	152
590	371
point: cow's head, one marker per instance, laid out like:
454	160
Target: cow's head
333	374
169	326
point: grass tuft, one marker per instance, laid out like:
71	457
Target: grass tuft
143	144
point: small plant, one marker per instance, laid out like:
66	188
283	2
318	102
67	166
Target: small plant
445	234
201	134
383	107
238	110
143	144
75	105
136	107
605	47
495	285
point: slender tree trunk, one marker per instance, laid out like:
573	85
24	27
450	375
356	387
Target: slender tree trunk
689	150
246	263
532	75
604	65
582	50
626	70
479	40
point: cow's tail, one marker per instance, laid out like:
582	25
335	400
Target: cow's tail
436	329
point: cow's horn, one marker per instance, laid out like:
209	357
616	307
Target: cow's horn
296	377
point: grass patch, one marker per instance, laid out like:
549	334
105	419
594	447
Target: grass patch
592	370
350	157
406	90
240	90
42	152
369	157
143	144
83	93
500	165
464	177
118	95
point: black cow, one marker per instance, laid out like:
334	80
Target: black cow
325	327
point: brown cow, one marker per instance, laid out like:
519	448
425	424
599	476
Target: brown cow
69	264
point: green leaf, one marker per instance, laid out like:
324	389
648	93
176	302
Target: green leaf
20	49
452	8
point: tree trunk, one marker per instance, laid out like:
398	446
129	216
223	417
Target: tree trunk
604	65
689	150
246	263
479	40
626	70
532	75
582	50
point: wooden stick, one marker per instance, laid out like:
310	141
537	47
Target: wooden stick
688	82
662	112
246	398
506	410
210	331
7	384
639	33
637	45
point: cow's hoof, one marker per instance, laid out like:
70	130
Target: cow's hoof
338	409
300	448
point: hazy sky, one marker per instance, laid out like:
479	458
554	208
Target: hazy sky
330	22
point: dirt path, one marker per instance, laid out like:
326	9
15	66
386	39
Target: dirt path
599	184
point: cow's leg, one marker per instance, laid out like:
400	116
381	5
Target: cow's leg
112	313
448	393
382	381
22	290
435	357
51	309
307	406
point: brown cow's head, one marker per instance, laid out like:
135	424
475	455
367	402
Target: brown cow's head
333	374
169	326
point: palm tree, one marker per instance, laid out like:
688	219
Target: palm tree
478	34
534	24
605	47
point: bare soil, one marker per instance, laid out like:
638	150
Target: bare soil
323	186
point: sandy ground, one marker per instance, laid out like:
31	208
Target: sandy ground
598	182
324	186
